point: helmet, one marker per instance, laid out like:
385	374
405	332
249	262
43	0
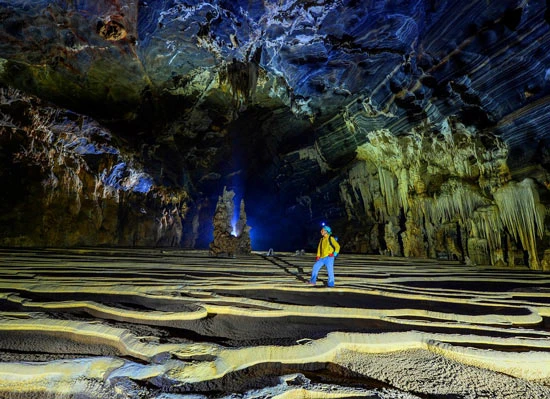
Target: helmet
327	229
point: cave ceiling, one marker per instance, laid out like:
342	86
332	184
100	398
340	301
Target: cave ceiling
299	106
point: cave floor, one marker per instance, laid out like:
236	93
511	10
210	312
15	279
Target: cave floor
166	323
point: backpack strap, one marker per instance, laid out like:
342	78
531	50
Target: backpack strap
330	238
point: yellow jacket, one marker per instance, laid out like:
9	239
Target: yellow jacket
324	249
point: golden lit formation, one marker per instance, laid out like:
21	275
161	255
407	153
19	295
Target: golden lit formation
113	322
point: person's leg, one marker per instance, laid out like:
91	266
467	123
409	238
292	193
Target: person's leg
315	271
330	269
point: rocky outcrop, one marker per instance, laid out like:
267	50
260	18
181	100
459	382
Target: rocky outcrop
415	128
66	183
230	238
451	197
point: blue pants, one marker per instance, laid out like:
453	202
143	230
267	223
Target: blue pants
328	262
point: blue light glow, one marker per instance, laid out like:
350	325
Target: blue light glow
236	214
113	178
121	177
83	146
144	184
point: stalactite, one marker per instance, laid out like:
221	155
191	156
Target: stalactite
486	224
74	186
347	200
242	78
457	202
403	188
359	180
456	152
446	180
519	210
422	208
389	191
50	185
169	228
416	174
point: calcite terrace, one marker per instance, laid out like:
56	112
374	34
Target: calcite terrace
182	324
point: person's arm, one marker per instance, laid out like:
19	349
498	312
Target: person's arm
336	246
319	250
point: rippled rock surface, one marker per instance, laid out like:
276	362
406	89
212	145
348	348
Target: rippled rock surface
167	323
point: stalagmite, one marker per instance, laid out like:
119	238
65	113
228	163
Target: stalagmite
224	241
227	239
403	188
243	232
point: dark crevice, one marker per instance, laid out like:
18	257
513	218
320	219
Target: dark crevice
269	375
512	18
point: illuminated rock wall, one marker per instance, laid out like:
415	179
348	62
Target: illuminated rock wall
416	128
67	183
449	196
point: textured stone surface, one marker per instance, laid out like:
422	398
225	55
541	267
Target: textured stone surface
414	128
132	323
231	233
66	183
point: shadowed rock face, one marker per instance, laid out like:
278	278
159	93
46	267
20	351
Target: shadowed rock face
414	128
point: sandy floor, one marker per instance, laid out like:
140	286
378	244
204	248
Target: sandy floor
102	323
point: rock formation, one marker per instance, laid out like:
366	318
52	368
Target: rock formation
180	324
230	240
242	230
67	183
415	128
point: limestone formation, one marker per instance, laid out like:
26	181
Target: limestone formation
475	206
242	230
416	129
68	184
181	321
228	240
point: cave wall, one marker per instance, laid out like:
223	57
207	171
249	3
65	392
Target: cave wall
66	183
415	129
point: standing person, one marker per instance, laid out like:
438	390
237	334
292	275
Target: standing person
326	252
